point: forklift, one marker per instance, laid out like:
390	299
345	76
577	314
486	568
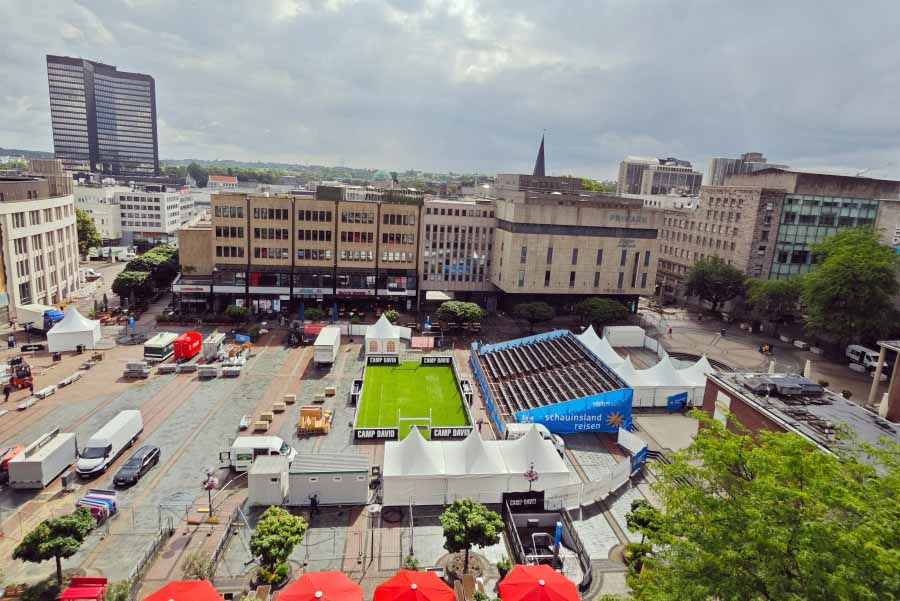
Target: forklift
19	373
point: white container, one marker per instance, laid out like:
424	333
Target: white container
212	344
333	478
43	460
109	442
327	345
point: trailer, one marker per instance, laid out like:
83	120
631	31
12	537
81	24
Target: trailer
213	345
187	346
37	318
327	345
43	460
205	372
160	347
137	369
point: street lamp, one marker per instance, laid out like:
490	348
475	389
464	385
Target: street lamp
531	476
210	484
212	297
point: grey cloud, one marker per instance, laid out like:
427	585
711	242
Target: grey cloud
468	85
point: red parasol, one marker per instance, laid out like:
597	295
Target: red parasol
536	583
409	585
186	590
322	586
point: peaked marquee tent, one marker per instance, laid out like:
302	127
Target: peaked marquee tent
75	329
414	469
382	338
601	347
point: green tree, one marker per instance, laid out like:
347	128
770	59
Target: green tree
770	516
57	538
605	187
161	262
774	301
88	236
598	311
643	517
459	311
200	174
277	533
467	524
714	280
237	314
133	283
391	315
313	314
534	313
118	591
197	566
850	294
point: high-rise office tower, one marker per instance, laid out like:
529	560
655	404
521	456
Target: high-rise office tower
722	168
104	120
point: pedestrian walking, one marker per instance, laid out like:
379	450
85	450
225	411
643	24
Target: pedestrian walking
31	387
670	332
313	504
11	341
6	391
479	422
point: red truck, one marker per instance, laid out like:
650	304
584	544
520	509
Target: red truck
187	345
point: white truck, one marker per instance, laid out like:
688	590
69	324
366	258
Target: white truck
327	345
213	345
43	460
37	318
247	448
867	357
109	442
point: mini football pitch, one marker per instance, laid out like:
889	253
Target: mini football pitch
414	389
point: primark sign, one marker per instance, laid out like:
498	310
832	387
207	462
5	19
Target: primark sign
376	433
380	360
450	432
437	360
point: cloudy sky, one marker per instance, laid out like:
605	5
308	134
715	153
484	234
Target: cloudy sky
468	85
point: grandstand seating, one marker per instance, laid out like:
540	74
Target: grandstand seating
543	372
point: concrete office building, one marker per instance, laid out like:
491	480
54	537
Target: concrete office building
720	169
647	175
349	245
39	238
104	120
456	249
555	241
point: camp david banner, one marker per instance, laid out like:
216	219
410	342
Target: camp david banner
439	433
382	360
437	360
604	412
376	433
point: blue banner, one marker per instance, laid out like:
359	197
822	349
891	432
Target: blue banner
676	402
638	459
603	412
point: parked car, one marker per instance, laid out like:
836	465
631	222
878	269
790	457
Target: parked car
245	422
90	275
137	465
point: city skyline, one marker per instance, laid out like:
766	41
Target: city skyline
336	83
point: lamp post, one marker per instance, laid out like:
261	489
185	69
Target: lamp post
531	476
210	484
212	297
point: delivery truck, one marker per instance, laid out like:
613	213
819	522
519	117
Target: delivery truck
37	318
327	345
160	347
43	460
213	346
187	346
247	448
104	447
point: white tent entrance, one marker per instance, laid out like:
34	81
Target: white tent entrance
73	331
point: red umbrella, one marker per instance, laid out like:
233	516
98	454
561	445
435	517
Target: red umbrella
410	585
536	583
322	586
186	590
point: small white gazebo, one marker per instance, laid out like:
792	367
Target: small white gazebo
73	331
382	338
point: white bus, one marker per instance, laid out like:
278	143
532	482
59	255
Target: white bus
160	347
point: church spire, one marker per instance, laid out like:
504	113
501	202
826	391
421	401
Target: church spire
539	162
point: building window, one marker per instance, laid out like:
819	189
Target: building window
549	255
521	279
574	256
644	280
647	258
596	279
546	278
373	346
621	280
391	346
599	256
624	258
571	279
524	255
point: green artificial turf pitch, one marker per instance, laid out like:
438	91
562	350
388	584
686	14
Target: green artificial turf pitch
414	389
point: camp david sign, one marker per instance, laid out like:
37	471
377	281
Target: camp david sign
437	360
450	432
383	360
376	433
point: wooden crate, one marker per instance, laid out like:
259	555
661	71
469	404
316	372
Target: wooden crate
290	399
267	416
330	391
279	407
261	426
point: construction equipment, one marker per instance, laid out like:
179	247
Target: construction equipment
19	373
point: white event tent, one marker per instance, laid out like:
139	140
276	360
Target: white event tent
73	330
433	473
382	338
601	347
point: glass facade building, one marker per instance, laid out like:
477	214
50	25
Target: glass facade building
104	120
807	220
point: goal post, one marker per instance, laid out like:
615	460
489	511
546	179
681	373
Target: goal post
421	422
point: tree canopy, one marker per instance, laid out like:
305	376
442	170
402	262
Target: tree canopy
770	516
533	313
88	236
277	533
467	524
57	538
598	311
459	311
774	300
850	294
714	280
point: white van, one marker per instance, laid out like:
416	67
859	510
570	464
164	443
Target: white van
514	431
109	442
866	357
247	448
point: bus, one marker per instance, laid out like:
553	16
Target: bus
160	347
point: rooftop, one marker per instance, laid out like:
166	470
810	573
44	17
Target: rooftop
809	410
225	179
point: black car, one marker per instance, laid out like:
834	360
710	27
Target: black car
137	465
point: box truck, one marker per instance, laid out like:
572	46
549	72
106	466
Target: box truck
327	345
160	347
43	460
36	318
213	345
247	448
187	346
109	442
